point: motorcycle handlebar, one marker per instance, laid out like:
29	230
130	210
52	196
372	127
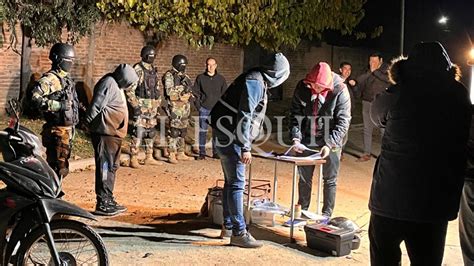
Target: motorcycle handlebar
10	137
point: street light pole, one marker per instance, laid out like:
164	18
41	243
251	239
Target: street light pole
402	26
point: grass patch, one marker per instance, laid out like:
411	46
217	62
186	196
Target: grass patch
81	147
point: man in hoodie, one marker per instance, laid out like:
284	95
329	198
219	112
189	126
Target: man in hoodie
320	116
236	120
369	84
107	117
416	187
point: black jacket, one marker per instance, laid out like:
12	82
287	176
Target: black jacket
369	84
208	89
336	110
419	174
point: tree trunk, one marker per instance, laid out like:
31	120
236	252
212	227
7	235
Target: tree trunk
25	74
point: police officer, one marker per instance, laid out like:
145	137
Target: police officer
55	95
144	99
178	91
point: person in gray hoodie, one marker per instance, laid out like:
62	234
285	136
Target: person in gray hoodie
107	117
236	120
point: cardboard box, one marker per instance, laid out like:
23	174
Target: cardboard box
333	240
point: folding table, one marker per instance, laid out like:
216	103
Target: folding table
296	162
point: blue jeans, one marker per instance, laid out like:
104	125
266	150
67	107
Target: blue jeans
203	115
330	172
234	185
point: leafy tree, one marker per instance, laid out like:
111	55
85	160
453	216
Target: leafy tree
45	21
271	23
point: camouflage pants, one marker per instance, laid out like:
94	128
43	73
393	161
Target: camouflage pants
58	143
139	135
175	138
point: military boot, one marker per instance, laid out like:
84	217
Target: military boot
172	158
166	153
134	161
157	155
150	161
183	157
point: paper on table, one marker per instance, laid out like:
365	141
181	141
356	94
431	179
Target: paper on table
311	157
285	156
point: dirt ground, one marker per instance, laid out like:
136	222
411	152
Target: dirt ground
161	226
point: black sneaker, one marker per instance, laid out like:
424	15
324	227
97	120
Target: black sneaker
201	157
119	207
216	156
108	208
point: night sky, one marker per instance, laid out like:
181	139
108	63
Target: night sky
421	24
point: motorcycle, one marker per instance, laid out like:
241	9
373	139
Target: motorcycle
35	228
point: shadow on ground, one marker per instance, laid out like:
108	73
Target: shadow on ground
188	229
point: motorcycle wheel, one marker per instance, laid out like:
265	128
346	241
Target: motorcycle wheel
76	243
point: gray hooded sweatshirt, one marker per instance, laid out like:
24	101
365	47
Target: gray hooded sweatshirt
108	113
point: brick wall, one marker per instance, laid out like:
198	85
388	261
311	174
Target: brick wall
110	45
9	72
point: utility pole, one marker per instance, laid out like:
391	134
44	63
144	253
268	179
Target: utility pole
402	25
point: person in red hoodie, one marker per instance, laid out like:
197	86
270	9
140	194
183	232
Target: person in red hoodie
320	116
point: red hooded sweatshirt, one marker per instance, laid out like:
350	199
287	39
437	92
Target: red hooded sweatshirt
319	80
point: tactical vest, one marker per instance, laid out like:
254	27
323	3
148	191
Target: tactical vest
147	89
182	80
68	92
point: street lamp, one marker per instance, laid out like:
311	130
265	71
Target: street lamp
470	61
443	20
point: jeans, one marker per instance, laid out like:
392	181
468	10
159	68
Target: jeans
234	184
368	127
424	241
107	162
203	115
466	222
330	172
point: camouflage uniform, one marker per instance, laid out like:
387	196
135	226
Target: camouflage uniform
51	92
178	93
145	100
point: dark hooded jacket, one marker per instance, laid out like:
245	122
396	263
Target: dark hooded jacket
419	174
240	111
108	113
333	119
370	83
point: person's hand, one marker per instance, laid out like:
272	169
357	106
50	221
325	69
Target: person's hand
325	150
185	97
246	157
352	82
298	147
